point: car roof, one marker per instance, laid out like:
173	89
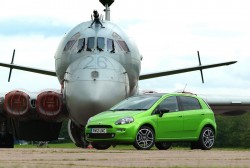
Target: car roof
176	94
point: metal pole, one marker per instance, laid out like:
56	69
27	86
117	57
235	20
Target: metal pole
107	12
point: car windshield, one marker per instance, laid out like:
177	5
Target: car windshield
136	103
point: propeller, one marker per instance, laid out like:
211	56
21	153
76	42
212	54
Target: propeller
11	63
202	78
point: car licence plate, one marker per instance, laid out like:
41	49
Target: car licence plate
99	130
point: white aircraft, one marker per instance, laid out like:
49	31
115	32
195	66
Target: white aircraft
97	66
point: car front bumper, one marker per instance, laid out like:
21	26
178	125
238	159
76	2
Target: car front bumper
115	134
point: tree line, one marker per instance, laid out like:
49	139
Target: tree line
233	131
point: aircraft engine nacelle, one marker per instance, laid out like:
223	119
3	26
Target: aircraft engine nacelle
16	104
49	105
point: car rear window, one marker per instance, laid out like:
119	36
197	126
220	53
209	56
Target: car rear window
189	103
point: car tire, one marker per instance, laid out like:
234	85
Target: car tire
207	138
163	145
145	138
100	146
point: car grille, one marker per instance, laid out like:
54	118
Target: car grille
100	126
101	136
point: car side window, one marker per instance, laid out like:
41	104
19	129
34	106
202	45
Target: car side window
170	103
189	103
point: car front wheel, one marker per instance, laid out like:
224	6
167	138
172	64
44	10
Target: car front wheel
100	146
207	138
145	138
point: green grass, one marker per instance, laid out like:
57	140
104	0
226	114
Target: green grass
118	147
61	145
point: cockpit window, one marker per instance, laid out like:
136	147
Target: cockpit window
100	43
123	45
91	43
69	45
110	45
81	45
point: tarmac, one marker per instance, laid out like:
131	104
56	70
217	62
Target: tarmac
77	157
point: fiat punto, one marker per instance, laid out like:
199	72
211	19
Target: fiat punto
154	119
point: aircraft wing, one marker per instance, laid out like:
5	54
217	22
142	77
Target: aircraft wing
29	69
228	105
183	70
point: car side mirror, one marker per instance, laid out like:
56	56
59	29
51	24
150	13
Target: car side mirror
162	111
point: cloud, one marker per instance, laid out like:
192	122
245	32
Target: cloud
29	26
168	34
32	51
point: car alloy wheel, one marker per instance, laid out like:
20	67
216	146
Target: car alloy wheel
145	138
207	138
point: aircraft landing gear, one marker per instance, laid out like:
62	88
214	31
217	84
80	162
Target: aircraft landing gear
77	135
6	141
6	138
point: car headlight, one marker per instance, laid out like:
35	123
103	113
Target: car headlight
125	120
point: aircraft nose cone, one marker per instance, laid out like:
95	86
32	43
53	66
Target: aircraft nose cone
94	84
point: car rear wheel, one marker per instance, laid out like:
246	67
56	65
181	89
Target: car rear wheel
207	138
100	146
145	138
163	145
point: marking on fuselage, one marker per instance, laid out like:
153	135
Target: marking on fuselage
101	62
88	65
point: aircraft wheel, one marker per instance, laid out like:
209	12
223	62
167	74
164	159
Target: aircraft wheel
145	138
163	145
100	146
207	138
77	135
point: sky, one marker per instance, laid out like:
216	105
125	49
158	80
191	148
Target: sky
168	33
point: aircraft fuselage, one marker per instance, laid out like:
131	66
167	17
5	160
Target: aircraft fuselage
97	67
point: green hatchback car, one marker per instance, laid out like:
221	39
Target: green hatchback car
154	119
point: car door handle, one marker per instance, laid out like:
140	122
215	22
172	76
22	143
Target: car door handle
180	116
202	114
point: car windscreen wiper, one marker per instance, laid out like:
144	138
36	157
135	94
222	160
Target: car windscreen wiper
121	109
127	109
